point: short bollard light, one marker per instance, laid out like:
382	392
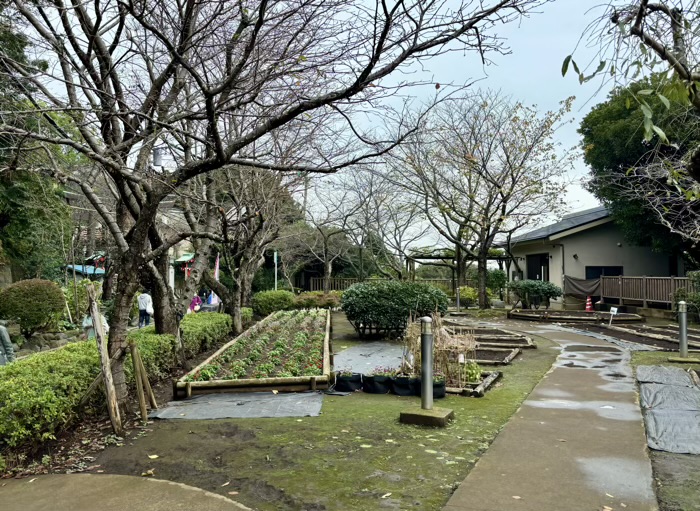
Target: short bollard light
683	328
426	355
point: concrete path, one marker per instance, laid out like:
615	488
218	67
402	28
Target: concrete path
577	442
103	492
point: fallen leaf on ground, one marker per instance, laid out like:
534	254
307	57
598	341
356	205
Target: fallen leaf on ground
622	504
153	456
430	451
226	483
607	508
275	391
32	480
516	497
233	493
386	495
562	440
608	495
365	446
390	441
147	473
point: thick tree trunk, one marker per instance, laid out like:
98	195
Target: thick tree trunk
164	306
119	323
327	270
199	267
231	299
482	273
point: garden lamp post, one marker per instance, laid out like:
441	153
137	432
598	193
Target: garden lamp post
683	328
426	352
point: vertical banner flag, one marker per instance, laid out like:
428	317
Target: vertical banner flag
213	298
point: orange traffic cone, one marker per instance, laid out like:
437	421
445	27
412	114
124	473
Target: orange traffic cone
589	305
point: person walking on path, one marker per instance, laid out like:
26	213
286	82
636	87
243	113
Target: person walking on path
145	309
7	352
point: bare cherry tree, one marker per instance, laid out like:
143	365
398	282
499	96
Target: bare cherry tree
484	167
211	81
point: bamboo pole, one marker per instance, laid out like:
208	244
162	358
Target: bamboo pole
139	383
146	383
105	362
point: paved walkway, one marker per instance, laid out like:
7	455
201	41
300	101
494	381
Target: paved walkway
103	492
577	442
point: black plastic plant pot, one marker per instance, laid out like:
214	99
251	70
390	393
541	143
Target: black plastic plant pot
349	383
403	386
438	388
376	384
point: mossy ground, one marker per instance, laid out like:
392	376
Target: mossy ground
356	455
677	476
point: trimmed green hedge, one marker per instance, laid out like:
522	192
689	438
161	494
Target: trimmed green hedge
39	394
318	300
529	290
246	315
200	331
266	302
385	306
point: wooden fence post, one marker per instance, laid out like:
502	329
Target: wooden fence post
645	291
106	364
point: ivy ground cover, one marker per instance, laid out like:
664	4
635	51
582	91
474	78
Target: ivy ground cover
290	343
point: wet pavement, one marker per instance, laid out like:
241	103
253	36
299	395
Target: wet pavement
576	443
367	356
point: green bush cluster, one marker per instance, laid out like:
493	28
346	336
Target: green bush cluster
468	296
528	290
201	331
385	306
33	303
265	303
39	394
318	300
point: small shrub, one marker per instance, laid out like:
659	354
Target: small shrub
468	296
318	300
34	304
496	280
385	306
528	290
201	331
158	351
267	302
246	315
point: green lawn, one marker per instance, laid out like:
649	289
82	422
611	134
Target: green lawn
356	455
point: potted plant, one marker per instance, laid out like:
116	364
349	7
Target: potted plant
347	381
439	384
378	381
403	384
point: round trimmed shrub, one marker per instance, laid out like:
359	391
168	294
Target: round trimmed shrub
267	302
384	307
32	303
318	300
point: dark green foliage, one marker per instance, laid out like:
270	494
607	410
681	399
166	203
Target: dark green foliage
496	280
529	290
468	296
318	300
39	394
613	143
158	351
32	303
385	306
267	302
200	331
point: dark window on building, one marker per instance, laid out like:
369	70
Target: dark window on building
538	267
593	272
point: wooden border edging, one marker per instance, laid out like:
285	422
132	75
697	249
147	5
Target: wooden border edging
491	377
284	384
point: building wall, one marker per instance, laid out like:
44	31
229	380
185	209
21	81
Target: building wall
603	245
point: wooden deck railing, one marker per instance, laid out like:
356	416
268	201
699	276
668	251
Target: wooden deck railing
341	284
644	289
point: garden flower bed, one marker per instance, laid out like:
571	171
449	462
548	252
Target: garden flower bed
286	351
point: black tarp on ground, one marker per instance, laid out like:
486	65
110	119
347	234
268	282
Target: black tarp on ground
670	402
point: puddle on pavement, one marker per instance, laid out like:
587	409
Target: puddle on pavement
626	479
590	348
621	411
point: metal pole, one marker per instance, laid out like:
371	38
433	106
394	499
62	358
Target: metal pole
426	351
457	298
683	328
275	270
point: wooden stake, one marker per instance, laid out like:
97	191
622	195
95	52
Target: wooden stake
146	383
139	383
112	405
97	381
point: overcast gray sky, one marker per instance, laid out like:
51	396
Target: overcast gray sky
532	72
